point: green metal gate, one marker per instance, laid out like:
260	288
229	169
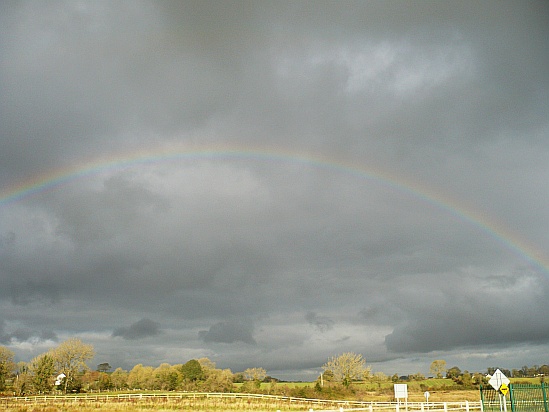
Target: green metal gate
521	398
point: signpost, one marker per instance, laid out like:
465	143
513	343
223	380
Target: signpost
500	383
401	392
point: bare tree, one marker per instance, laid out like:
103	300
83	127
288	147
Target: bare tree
347	367
255	374
70	358
438	368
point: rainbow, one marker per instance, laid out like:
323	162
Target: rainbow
494	229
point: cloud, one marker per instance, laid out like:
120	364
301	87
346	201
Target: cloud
321	323
367	177
143	328
229	332
461	316
25	335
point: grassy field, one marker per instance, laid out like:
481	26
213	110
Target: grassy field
440	390
200	406
225	404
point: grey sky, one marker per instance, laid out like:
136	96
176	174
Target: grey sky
388	177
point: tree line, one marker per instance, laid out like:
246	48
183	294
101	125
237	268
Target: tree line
64	369
438	369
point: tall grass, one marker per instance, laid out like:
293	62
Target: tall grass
155	404
199	405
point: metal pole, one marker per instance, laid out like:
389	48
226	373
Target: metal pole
544	391
500	405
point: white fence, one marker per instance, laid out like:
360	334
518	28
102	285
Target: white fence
312	404
464	406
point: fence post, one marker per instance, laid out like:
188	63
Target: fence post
466	406
544	391
511	397
397	408
445	407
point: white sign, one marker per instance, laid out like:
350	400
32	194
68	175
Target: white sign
401	391
498	379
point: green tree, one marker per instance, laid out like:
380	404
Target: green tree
479	379
141	377
218	380
103	367
327	376
416	377
215	380
465	379
6	365
438	368
119	379
347	367
22	383
192	371
167	377
42	369
70	358
453	372
105	382
239	377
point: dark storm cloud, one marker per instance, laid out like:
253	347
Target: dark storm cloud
298	260
229	332
143	328
24	335
472	312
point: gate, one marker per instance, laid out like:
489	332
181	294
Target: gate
521	398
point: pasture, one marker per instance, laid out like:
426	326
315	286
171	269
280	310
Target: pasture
213	402
445	395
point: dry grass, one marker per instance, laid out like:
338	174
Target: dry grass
227	404
198	405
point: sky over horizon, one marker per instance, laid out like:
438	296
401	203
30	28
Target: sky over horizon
269	184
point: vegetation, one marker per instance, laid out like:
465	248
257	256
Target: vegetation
345	376
438	368
6	365
70	360
347	368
